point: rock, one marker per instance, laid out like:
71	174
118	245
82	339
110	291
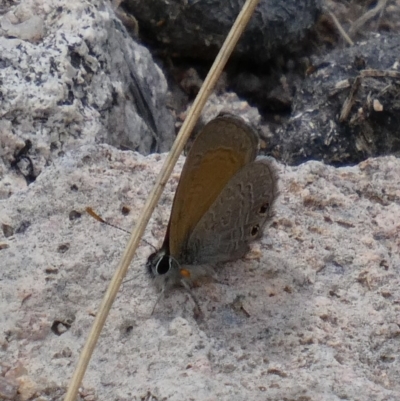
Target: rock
347	109
197	29
30	30
315	315
27	388
8	388
84	81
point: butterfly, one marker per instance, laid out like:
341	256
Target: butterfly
223	201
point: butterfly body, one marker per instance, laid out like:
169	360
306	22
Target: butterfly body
223	201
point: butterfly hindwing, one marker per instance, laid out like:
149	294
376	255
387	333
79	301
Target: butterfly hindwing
237	216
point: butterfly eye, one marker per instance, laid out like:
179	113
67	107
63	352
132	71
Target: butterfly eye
163	265
264	208
255	230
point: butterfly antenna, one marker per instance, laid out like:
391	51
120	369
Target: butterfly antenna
148	243
92	213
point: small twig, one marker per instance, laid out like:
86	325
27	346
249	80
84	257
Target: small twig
340	29
380	74
348	103
357	25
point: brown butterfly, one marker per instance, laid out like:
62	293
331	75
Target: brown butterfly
224	199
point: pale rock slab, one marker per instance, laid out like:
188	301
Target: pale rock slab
312	313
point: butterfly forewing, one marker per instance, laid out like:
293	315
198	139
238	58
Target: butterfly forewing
222	148
237	216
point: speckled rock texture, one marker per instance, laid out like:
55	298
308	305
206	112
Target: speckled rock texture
70	75
311	313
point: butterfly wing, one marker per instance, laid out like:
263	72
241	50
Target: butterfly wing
222	148
237	216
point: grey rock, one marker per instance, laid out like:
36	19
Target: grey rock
197	29
321	129
84	81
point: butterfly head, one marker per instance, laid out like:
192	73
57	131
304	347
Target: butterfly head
165	270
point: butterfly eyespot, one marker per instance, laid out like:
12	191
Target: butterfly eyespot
163	265
264	208
255	230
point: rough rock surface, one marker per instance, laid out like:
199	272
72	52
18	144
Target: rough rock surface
70	74
311	313
347	109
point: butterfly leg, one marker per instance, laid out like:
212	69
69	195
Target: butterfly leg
189	290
